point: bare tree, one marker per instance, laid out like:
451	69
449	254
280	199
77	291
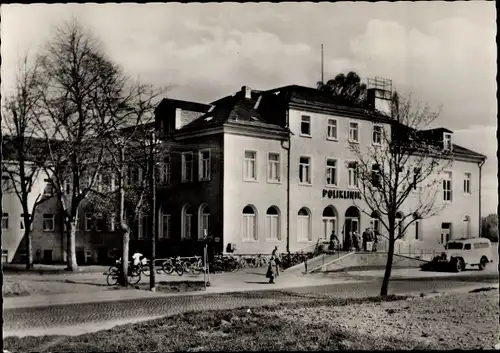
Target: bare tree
79	86
402	171
26	150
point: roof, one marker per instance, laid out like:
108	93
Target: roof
187	105
234	108
35	148
462	151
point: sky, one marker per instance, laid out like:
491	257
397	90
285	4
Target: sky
444	53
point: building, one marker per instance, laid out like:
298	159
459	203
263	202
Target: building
262	168
250	169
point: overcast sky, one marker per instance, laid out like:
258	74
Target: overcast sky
443	52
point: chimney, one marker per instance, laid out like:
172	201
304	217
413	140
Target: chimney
247	91
380	100
178	117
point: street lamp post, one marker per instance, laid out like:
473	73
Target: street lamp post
152	189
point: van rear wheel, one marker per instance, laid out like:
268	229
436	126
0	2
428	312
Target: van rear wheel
483	263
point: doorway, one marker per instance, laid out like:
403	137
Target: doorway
47	256
329	223
445	232
351	225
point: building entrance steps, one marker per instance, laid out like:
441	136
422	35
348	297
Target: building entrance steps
316	262
367	260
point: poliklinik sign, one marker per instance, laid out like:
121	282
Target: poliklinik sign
342	194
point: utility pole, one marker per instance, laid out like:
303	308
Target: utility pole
152	189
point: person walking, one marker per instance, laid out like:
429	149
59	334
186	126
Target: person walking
271	269
277	259
375	240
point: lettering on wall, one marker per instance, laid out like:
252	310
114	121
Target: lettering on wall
342	194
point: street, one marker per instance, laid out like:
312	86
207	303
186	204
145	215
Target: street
90	317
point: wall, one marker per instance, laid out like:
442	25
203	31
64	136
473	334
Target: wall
261	194
173	197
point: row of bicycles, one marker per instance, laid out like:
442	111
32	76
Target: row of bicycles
195	265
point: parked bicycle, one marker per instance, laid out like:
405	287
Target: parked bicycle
193	265
113	275
173	264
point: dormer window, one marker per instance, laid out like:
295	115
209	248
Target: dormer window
447	141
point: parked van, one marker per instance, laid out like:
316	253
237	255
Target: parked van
460	253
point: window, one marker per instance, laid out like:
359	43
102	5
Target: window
305	125
204	165
21	222
417	185
272	224
376	182
165	226
304	226
447	187
377	135
48	187
142	227
467	177
447	141
331	133
248	224
99	182
204	221
48	221
187	166
187	222
165	171
67	186
99	223
417	229
352	169
88	222
353	132
5	220
112	220
305	170
249	169
467	246
331	172
273	167
399	224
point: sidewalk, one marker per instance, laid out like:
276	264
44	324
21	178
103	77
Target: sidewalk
220	284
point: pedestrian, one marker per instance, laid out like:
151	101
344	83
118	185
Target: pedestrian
210	253
277	259
356	241
375	240
271	269
369	240
136	260
365	239
334	241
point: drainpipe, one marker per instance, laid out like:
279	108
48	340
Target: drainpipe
480	177
287	148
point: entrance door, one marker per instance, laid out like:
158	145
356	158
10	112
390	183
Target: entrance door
328	227
47	256
351	225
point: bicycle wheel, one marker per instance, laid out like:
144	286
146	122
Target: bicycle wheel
145	270
167	267
134	277
112	278
179	269
186	267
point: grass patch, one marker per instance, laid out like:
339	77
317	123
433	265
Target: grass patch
222	330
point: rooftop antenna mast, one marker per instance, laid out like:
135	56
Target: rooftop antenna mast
322	72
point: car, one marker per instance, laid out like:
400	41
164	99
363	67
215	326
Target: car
460	253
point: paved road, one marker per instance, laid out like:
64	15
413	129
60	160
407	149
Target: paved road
81	318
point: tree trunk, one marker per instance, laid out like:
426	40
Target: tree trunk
29	250
72	264
388	267
125	251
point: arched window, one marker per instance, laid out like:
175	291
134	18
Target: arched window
304	225
249	224
165	226
203	221
187	222
273	224
329	223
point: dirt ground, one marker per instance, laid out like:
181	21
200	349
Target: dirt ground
452	321
462	321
